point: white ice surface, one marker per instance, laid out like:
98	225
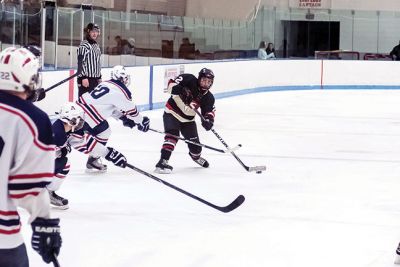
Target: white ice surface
329	198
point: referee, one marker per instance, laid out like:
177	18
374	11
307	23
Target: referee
89	66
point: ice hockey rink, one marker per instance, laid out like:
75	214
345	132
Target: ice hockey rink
330	196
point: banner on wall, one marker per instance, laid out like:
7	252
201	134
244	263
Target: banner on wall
171	72
311	4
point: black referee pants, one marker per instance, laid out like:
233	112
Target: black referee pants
93	82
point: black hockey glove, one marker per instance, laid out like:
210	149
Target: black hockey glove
46	238
186	96
207	123
37	95
116	157
194	104
63	151
127	122
144	125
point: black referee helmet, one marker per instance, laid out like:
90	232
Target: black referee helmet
92	27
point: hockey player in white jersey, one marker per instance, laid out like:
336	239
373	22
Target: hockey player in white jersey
70	130
110	98
26	162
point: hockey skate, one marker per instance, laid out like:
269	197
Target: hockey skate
397	257
202	162
162	167
57	201
94	165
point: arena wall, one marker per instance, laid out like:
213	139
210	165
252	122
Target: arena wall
234	78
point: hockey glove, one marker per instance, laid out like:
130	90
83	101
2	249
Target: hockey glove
37	95
60	153
116	157
207	124
127	122
186	96
46	238
194	105
144	125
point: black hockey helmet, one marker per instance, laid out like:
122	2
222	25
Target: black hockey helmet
92	27
205	84
34	49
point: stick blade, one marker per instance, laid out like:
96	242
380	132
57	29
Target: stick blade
257	169
235	204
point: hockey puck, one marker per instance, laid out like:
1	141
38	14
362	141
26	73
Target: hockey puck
258	172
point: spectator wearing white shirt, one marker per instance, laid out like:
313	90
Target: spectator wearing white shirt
262	54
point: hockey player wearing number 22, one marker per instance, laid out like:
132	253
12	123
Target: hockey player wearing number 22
27	153
110	98
187	93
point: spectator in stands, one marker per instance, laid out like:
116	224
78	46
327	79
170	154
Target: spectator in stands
395	53
186	49
262	53
131	46
266	52
270	51
124	47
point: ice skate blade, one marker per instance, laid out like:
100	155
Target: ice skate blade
64	207
94	171
162	171
397	259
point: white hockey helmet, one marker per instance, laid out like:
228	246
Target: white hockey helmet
19	70
73	115
119	73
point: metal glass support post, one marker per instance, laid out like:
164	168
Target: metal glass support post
352	29
378	13
21	23
103	23
82	22
230	24
71	38
254	29
14	18
43	27
56	39
1	23
43	34
273	31
262	24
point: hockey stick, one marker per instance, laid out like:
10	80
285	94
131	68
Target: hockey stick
236	203
55	261
257	169
63	81
199	144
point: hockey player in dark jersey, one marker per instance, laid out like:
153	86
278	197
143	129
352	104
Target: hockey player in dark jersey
70	130
187	93
66	128
27	162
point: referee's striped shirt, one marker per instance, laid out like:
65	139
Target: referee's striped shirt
89	54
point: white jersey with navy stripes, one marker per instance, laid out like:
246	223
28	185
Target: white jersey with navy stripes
26	165
109	99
